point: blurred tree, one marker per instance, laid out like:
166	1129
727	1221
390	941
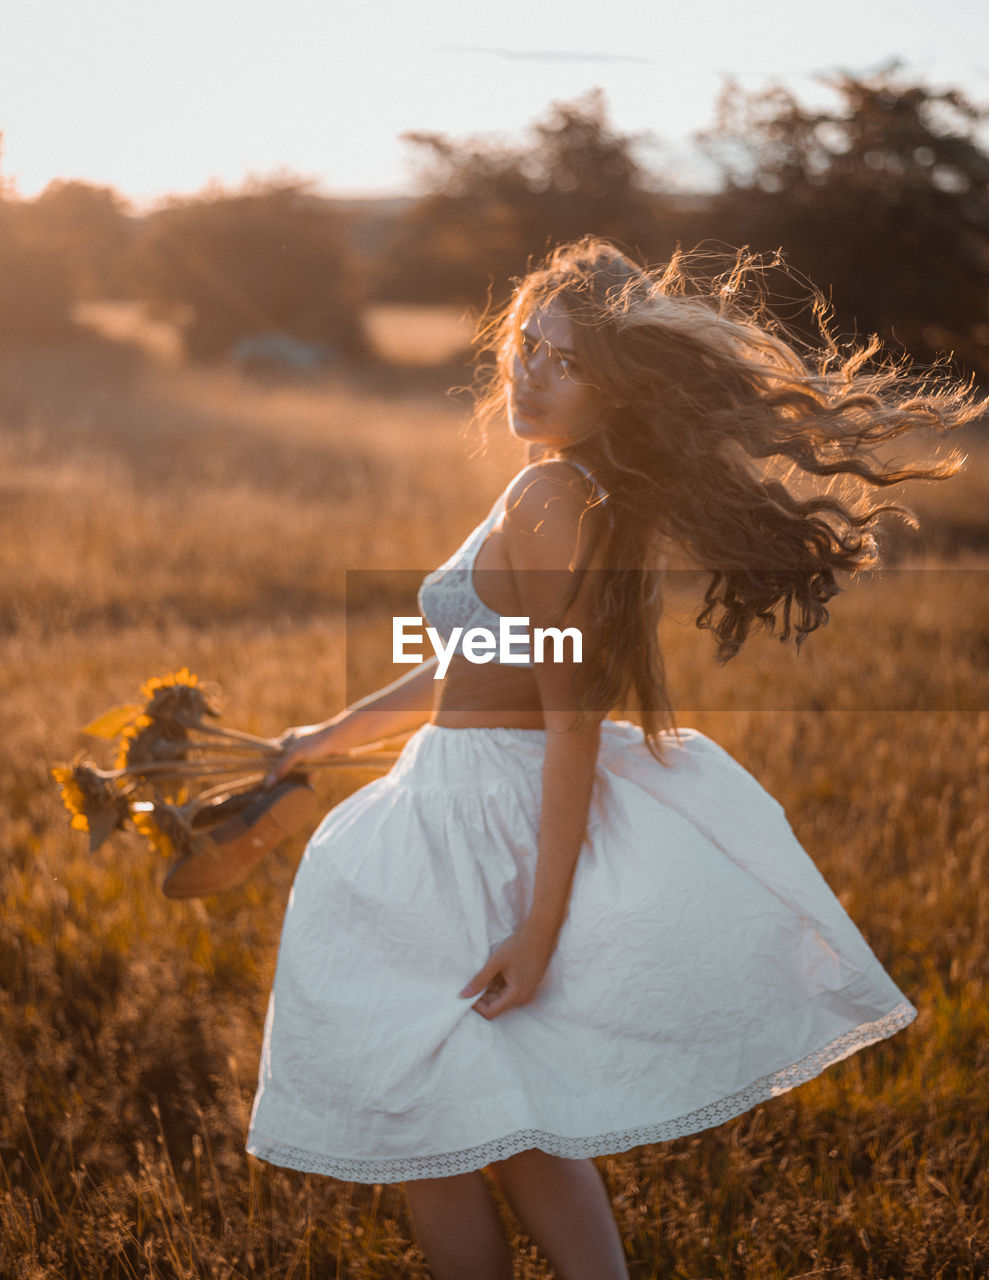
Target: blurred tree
87	225
882	201
36	288
37	292
272	259
488	207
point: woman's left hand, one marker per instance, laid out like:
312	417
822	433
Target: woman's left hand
512	974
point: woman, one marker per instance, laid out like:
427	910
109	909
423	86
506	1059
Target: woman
547	935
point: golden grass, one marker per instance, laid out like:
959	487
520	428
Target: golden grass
419	335
155	517
134	323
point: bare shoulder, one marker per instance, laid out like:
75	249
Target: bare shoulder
551	495
553	513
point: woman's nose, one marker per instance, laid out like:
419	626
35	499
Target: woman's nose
533	364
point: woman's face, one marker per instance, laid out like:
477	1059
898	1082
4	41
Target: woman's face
551	399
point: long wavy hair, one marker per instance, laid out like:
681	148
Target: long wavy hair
717	415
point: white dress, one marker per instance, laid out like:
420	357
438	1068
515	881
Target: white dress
704	964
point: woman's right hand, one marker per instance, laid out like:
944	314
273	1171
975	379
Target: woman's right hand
302	745
388	713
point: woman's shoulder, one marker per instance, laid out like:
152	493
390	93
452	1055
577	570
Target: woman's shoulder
553	492
555	512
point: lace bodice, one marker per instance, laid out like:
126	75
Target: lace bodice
448	597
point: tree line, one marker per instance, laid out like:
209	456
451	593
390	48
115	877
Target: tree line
882	200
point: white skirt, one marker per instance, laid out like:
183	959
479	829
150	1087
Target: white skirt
703	967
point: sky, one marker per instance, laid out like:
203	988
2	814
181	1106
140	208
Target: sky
165	98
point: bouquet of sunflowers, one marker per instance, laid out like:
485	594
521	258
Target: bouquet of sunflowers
193	787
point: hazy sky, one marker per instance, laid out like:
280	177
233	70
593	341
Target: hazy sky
157	96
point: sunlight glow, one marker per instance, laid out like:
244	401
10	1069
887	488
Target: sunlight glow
165	98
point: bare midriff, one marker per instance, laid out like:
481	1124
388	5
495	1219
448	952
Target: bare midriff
492	696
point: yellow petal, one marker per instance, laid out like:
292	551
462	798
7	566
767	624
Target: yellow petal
174	678
112	723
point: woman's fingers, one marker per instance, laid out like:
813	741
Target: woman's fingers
285	763
498	993
497	999
500	996
304	745
510	977
480	980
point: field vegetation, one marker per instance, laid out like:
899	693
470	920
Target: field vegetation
157	516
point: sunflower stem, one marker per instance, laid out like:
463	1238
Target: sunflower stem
180	769
223	790
232	735
243	748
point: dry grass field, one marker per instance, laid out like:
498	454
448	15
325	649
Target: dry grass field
153	517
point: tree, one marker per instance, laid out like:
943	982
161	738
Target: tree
883	201
489	207
271	259
89	226
37	290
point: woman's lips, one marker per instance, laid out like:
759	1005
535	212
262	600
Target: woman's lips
526	409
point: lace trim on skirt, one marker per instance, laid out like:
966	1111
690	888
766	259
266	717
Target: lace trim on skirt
404	1168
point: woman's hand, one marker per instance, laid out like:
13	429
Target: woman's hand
389	712
303	745
512	974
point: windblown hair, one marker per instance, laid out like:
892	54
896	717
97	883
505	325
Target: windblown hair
717	416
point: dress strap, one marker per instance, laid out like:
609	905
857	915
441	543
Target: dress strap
601	496
600	492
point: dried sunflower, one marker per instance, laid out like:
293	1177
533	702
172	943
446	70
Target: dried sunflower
165	827
177	700
94	800
152	742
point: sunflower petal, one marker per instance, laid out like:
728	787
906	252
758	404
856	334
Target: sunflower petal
175	679
114	722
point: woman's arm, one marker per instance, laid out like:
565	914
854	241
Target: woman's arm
542	532
568	775
397	708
